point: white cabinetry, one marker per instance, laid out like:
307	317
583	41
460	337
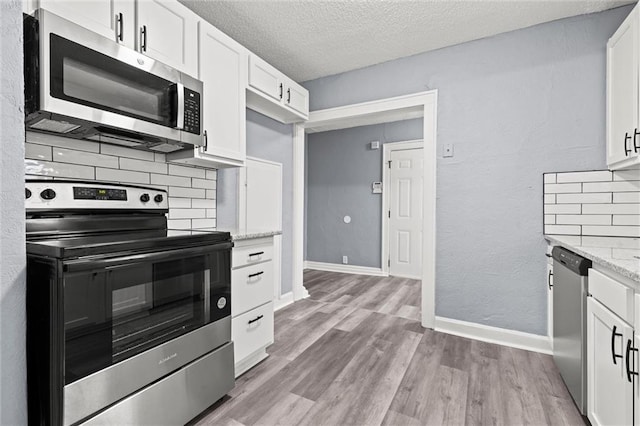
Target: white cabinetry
623	95
164	30
549	283
611	357
275	95
223	71
114	19
251	301
168	33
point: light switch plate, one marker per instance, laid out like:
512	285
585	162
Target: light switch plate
375	145
447	150
376	187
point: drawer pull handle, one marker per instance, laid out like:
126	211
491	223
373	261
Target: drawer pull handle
629	350
258	253
613	344
258	318
256	274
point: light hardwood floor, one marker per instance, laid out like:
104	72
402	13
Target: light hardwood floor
354	353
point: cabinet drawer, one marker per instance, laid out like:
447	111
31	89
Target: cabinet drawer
252	331
250	254
251	286
615	296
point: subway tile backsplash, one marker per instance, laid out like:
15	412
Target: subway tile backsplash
192	190
596	203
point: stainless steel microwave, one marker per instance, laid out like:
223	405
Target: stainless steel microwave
81	85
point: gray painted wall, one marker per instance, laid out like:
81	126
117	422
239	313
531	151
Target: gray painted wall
12	253
339	176
514	106
269	140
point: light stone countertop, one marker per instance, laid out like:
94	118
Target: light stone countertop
619	254
249	234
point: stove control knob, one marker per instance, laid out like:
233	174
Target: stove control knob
48	194
158	198
27	193
144	198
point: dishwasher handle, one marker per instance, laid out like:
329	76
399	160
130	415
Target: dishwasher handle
613	344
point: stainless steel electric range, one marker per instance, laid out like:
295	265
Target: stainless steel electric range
127	322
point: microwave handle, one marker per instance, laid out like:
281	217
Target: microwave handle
93	264
180	106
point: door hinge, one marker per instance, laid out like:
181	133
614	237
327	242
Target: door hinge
389	214
389	163
389	262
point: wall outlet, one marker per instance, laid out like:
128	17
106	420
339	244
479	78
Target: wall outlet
447	150
345	259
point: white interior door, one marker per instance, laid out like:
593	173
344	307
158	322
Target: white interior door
405	212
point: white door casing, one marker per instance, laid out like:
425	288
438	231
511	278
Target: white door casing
388	110
403	171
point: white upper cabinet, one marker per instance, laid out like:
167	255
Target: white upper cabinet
164	30
223	71
114	19
167	31
275	95
623	95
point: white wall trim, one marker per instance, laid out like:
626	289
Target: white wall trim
299	292
284	300
500	336
346	269
387	148
422	104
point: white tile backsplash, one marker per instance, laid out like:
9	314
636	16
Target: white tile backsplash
602	203
592	198
143	166
66	155
192	190
599	176
561	188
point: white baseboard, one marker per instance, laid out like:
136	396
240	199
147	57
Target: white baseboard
284	300
500	336
347	269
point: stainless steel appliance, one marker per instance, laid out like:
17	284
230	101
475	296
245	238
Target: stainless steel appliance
82	85
127	322
570	289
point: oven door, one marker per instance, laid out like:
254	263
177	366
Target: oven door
130	320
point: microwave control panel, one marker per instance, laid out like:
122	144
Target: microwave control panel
191	111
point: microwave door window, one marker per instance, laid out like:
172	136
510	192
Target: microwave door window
86	77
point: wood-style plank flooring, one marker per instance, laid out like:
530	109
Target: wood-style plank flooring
354	353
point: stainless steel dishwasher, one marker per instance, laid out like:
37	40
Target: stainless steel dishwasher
570	288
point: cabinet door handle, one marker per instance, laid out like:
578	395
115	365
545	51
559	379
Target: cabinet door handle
119	27
258	318
288	96
627	138
613	344
257	274
549	280
258	253
281	91
206	140
630	352
636	142
143	38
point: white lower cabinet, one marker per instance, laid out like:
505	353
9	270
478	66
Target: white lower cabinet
251	301
611	353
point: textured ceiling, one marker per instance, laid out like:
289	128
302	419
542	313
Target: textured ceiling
308	39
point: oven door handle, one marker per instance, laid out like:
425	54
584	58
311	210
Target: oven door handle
94	263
